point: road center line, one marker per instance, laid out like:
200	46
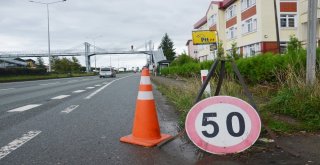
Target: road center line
60	97
25	108
70	109
90	87
98	85
78	91
6	150
100	89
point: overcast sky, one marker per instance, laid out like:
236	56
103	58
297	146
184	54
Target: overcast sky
114	24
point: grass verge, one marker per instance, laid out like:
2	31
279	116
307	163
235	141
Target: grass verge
40	77
284	109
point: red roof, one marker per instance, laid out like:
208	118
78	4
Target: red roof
226	3
222	5
201	22
188	42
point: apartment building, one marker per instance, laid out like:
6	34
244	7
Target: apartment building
251	24
203	51
302	20
192	49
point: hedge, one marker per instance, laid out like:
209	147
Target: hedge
21	71
257	69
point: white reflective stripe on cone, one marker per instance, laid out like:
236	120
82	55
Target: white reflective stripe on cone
145	80
143	95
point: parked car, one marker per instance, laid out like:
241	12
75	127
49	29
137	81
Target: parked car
107	72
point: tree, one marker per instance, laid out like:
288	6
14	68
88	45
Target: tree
40	63
55	63
167	47
234	51
220	52
182	59
75	65
294	45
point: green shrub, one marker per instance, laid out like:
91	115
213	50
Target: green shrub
21	71
183	59
261	68
258	69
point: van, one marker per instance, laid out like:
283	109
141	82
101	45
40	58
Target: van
107	72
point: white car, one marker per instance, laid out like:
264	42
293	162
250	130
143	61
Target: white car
107	72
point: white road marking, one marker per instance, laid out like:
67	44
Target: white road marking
78	91
70	109
100	89
72	81
60	97
25	108
51	83
98	85
90	87
6	150
7	89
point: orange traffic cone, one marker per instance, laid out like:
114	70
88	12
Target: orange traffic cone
145	131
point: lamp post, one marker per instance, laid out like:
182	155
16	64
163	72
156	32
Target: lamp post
47	4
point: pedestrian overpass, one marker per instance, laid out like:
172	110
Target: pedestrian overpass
87	50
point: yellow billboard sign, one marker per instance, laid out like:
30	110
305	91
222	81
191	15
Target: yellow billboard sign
204	37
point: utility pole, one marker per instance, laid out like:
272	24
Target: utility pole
277	25
95	59
312	42
110	61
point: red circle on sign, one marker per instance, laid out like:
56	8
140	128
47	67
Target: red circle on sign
253	135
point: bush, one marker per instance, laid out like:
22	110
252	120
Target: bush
183	59
261	68
22	71
258	69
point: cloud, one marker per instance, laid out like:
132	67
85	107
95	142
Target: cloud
121	23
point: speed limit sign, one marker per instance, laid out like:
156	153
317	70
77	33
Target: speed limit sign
223	124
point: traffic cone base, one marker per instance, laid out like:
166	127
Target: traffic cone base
144	142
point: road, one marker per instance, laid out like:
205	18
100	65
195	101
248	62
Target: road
75	121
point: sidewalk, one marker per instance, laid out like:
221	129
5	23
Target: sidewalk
168	119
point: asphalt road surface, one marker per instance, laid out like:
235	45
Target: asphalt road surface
73	121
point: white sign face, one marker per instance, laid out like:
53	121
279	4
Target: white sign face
223	125
204	74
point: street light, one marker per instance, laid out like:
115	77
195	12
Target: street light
48	3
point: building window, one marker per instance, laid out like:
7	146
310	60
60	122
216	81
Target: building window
231	32
249	25
288	20
251	50
283	47
212	20
231	12
247	3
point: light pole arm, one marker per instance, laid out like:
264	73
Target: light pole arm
43	3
